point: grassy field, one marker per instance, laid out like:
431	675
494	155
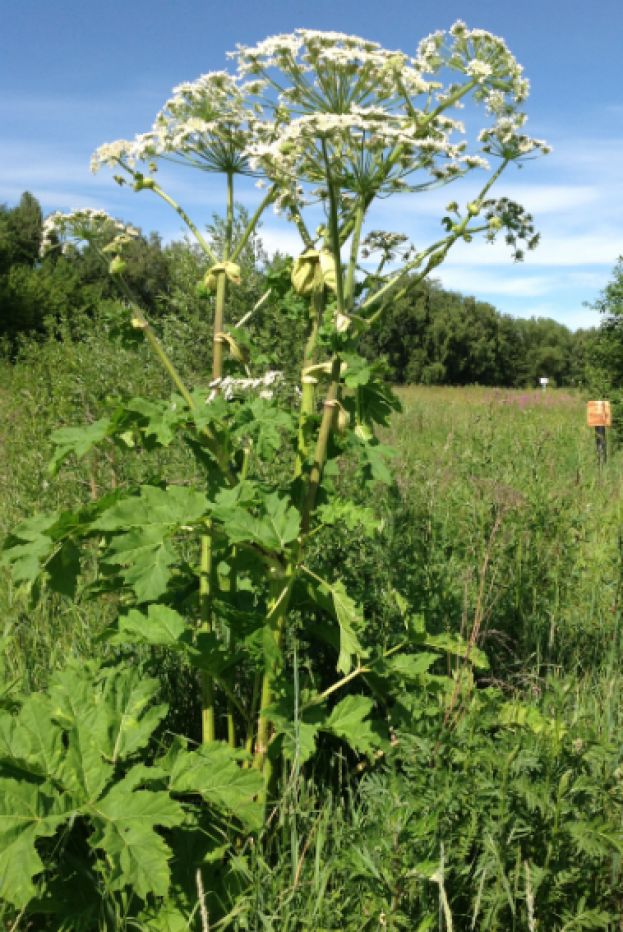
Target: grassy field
501	527
517	529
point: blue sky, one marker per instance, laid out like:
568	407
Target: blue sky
75	74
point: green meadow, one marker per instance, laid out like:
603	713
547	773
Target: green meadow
497	803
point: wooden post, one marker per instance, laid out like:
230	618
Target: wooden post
600	443
599	416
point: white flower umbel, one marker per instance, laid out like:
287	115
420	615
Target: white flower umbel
62	230
380	121
206	123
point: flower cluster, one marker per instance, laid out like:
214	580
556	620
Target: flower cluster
319	114
65	231
374	117
206	123
230	387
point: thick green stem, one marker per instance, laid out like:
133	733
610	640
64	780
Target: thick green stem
208	729
229	217
334	231
331	400
308	383
349	290
280	591
219	320
322	443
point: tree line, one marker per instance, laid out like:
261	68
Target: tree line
431	336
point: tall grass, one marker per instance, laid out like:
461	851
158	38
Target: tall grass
501	527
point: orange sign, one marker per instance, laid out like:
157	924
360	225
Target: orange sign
598	414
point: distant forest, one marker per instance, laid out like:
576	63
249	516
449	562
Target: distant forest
432	336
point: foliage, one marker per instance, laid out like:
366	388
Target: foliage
432	336
222	568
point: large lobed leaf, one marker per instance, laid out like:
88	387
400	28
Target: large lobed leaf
141	528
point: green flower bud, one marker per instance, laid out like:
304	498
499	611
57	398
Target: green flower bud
201	291
231	270
306	276
117	265
342	421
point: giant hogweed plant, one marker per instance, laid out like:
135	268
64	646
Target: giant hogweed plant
223	573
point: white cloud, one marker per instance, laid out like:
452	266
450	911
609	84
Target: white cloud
471	281
281	239
600	248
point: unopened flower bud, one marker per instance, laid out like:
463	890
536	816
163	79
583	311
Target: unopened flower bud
231	270
117	265
306	276
343	421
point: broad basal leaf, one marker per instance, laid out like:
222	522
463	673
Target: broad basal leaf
125	821
214	773
30	744
26	813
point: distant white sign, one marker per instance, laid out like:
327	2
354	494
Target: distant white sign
544	381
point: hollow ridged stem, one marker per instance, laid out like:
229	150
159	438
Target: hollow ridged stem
332	396
308	383
360	213
322	444
208	728
280	591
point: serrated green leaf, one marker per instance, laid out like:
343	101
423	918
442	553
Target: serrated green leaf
77	440
348	617
145	523
456	645
345	513
161	626
358	370
410	666
375	455
214	773
26	814
298	736
265	424
349	721
146	558
125	821
158	419
274	529
109	720
154	507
